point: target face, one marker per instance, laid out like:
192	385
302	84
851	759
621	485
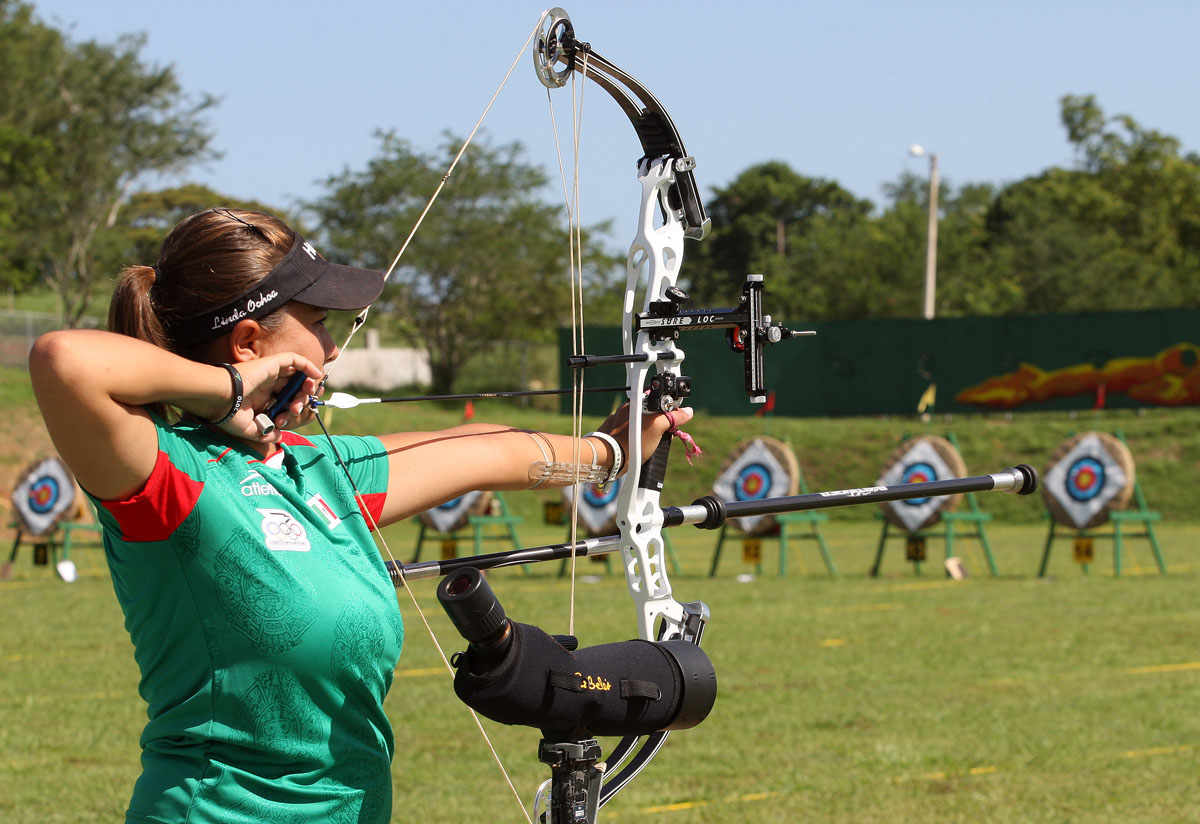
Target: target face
920	460
454	515
1085	479
597	508
1093	474
45	495
753	482
758	469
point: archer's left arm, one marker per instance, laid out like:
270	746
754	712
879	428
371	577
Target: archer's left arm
426	469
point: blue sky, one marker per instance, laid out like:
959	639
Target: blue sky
836	90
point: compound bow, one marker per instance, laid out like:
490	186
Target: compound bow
671	211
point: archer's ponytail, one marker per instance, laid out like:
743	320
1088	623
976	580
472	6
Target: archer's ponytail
131	311
208	259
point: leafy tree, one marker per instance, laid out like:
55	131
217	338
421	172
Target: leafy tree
489	262
84	123
771	220
147	216
1121	231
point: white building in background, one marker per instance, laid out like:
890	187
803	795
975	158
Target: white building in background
375	367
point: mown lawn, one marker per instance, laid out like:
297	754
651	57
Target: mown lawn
902	698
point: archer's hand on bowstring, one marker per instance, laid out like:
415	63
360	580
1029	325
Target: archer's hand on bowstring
262	380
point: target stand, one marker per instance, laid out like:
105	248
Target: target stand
47	513
1089	482
930	458
767	468
477	511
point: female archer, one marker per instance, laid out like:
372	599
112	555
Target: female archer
263	620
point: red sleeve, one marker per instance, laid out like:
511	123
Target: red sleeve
155	512
373	503
290	438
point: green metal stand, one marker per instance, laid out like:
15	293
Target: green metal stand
788	521
952	528
52	542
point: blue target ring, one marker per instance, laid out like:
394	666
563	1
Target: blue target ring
753	483
595	498
1085	479
43	495
918	473
450	504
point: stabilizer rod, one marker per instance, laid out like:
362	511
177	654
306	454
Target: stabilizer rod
711	513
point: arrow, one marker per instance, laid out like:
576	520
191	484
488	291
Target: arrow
343	400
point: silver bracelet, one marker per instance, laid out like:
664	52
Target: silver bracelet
546	459
618	455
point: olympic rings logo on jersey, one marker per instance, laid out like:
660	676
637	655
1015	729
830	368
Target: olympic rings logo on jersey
282	532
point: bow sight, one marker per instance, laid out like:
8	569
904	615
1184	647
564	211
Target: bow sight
748	330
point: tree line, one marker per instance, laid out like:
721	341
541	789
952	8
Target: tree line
87	130
1119	230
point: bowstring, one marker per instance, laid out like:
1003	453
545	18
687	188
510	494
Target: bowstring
358	322
572	200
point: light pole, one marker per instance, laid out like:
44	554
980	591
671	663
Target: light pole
917	150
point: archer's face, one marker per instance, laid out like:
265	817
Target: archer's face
303	332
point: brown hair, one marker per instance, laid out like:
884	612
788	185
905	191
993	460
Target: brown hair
208	259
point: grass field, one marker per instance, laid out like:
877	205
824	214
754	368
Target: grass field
902	698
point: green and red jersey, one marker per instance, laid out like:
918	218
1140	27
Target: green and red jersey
265	627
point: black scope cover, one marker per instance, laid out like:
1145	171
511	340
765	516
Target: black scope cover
626	688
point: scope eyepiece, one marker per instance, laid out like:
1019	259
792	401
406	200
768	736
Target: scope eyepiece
472	607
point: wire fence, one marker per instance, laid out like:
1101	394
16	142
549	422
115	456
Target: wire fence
18	331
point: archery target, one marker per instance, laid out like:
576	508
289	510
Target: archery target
757	469
456	514
1088	475
597	508
44	496
919	460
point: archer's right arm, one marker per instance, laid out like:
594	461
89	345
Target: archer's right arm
92	388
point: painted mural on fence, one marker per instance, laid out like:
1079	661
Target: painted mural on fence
1170	378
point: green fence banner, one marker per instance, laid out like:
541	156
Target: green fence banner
961	364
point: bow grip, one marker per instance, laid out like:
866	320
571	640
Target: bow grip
654	470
